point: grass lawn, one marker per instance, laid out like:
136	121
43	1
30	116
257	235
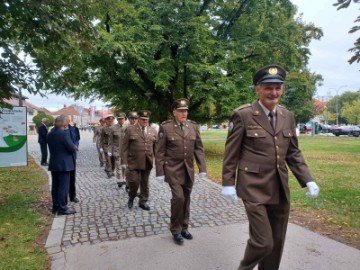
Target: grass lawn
334	163
24	217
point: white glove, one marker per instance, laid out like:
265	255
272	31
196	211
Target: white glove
313	189
229	193
101	150
202	175
109	154
160	179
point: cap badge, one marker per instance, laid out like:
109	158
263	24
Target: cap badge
273	71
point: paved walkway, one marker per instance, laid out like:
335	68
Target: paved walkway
105	234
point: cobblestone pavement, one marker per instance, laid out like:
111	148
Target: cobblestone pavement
103	215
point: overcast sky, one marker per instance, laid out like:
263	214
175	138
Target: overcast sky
329	55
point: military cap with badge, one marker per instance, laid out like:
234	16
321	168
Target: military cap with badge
133	114
144	114
180	104
270	74
121	115
110	117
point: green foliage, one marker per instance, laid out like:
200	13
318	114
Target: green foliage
38	118
23	217
351	112
356	49
338	102
144	54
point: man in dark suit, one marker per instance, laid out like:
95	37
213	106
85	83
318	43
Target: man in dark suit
137	155
71	132
178	143
61	164
42	139
261	144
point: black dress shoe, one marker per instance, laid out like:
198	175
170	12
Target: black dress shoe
187	235
130	203
75	200
144	206
178	239
53	210
67	212
44	164
120	184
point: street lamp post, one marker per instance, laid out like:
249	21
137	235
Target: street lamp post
337	103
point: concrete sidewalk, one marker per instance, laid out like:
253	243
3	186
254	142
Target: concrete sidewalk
219	247
105	234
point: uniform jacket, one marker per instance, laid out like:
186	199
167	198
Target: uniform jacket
104	138
71	132
258	155
43	131
61	151
137	149
97	134
116	139
176	149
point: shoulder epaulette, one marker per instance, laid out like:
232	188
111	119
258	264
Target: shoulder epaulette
167	121
191	121
243	107
282	107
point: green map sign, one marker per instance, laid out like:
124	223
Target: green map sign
13	137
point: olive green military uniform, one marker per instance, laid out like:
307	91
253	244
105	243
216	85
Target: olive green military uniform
175	152
105	137
96	140
115	141
138	154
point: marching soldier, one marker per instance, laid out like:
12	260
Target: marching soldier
137	156
133	119
115	141
96	140
105	136
178	142
260	147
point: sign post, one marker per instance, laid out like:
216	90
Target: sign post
13	137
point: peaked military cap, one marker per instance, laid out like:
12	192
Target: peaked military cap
181	103
110	117
133	114
270	74
144	114
101	119
121	115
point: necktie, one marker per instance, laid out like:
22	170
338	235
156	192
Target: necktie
272	119
182	126
143	131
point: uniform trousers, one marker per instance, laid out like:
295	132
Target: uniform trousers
180	205
110	161
120	172
101	155
267	229
44	153
60	190
72	185
136	178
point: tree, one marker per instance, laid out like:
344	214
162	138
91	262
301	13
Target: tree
336	104
355	50
144	54
38	118
351	112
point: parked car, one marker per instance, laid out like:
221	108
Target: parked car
346	130
323	128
